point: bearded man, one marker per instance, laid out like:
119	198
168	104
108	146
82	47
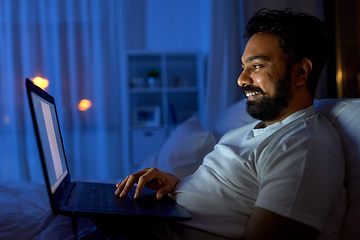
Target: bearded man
278	178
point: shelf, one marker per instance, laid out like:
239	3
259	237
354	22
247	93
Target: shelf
183	89
163	90
160	90
145	90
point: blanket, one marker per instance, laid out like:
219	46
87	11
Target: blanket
25	213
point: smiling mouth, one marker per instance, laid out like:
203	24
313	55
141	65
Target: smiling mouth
252	91
248	94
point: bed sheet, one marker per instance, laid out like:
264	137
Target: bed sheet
25	213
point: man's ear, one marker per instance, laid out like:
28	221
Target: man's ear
302	71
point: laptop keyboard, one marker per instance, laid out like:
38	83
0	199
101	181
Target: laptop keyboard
101	198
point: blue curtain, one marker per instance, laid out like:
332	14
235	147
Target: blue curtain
76	46
226	46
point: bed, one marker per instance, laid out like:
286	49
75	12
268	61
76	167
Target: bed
25	210
25	213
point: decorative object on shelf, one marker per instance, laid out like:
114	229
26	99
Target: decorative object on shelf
146	116
153	79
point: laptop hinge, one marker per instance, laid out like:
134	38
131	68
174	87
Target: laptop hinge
71	193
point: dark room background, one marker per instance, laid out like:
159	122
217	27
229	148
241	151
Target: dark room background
88	52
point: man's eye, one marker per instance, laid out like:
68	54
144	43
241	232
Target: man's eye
256	66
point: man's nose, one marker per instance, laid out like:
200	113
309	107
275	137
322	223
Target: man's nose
244	79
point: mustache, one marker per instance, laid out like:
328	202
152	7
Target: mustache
250	88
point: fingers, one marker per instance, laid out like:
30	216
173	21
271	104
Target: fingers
154	179
169	187
120	186
160	195
144	179
124	187
163	183
164	191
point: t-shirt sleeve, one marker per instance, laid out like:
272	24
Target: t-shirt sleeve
300	179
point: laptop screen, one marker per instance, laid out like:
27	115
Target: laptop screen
53	152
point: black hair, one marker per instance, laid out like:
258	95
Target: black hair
300	35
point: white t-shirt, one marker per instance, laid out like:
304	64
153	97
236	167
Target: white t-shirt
294	168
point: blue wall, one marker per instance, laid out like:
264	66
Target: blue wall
167	25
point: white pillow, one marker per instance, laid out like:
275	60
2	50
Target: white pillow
233	117
184	150
344	114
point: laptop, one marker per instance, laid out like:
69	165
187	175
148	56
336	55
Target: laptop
86	199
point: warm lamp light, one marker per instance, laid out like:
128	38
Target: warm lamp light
84	105
41	82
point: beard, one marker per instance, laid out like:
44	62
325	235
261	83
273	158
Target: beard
270	108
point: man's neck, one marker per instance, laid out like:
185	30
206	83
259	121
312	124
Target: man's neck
294	107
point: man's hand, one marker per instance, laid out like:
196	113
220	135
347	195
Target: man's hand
153	179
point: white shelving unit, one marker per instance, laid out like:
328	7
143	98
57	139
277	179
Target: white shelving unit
163	89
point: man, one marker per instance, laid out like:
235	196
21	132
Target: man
281	177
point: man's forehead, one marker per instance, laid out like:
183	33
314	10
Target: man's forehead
255	57
262	46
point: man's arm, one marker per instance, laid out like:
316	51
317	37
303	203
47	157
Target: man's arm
264	224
